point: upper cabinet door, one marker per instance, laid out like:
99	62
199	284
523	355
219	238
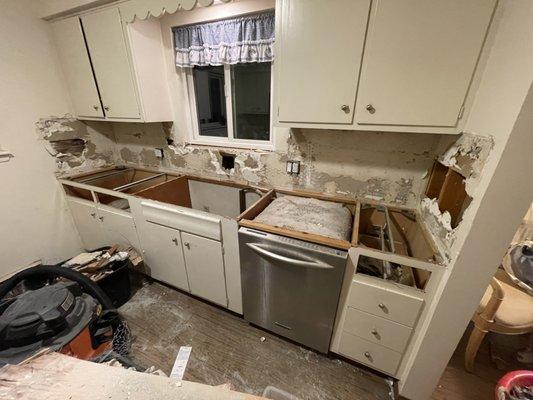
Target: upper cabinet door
420	56
109	55
76	67
319	47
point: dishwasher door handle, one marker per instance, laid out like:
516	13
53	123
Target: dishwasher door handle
277	257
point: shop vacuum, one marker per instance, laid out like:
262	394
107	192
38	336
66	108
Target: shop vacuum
59	309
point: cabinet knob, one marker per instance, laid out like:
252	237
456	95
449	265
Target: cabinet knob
187	244
106	108
175	240
93	215
101	218
367	354
96	107
374	331
370	108
381	305
345	108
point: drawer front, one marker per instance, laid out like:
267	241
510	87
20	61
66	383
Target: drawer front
192	221
369	353
384	300
376	329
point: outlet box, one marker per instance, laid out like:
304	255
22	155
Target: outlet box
158	152
293	167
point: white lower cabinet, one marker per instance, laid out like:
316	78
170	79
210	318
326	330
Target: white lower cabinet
86	220
376	320
164	256
119	227
205	268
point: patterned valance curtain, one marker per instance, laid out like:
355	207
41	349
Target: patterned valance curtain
231	41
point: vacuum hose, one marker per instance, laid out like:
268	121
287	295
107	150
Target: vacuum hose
54	271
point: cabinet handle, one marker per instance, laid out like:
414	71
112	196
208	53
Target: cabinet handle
186	244
106	108
370	108
95	107
382	306
367	354
93	215
374	332
175	240
345	108
101	219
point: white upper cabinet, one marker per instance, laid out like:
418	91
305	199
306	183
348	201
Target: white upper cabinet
404	65
114	75
420	56
318	54
114	71
76	66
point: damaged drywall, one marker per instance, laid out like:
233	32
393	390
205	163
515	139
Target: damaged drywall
77	146
381	166
467	156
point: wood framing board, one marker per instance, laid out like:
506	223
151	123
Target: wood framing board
309	237
317	195
399	259
175	192
452	195
436	180
255	209
83	380
355	228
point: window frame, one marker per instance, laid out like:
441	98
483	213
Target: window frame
230	140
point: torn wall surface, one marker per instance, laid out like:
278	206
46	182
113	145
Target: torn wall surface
77	146
382	166
467	156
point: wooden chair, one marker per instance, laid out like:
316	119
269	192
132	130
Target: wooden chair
504	309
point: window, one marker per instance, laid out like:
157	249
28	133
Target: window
230	104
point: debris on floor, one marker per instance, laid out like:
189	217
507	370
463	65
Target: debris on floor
98	264
178	370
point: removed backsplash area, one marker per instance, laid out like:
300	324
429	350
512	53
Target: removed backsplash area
391	167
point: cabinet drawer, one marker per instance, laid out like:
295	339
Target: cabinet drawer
385	299
369	353
192	221
376	329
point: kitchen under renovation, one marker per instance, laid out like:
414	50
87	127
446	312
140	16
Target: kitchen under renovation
266	199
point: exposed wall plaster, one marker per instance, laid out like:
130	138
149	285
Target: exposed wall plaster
75	145
382	166
468	156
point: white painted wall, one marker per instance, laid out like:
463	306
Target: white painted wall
503	108
34	221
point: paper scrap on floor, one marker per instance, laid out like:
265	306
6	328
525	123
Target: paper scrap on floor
181	362
309	215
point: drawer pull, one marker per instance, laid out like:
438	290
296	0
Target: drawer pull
368	355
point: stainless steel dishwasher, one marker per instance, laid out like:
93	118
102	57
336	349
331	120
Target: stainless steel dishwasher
291	287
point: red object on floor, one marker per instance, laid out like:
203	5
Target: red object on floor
511	380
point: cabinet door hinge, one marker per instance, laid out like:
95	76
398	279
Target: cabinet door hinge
461	112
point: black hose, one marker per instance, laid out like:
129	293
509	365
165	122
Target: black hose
53	271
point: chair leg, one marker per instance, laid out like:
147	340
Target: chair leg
476	337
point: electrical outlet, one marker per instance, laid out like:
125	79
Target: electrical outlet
158	152
293	167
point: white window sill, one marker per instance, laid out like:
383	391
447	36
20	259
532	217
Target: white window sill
268	146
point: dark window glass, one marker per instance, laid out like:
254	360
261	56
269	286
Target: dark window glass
251	101
210	101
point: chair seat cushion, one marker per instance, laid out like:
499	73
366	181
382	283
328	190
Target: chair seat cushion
516	310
